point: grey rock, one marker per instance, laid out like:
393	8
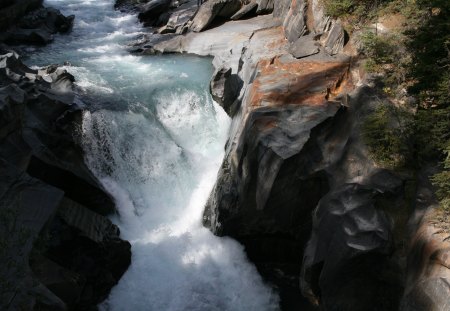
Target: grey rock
65	255
245	10
264	6
29	36
255	192
322	23
295	21
347	261
151	11
91	225
427	283
27	205
38	27
225	88
335	41
51	117
213	9
304	46
47	18
281	8
12	10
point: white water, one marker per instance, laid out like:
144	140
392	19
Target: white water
155	139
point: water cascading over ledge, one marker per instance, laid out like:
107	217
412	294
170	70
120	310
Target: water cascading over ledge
154	138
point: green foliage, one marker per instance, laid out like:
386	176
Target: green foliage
387	132
359	9
432	133
336	8
430	47
379	49
442	181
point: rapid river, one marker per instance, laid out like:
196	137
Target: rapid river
155	139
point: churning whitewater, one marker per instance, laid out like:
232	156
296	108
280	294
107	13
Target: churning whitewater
155	139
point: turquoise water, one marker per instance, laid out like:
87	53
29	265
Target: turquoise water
155	139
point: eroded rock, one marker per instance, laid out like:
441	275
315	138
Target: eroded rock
38	27
51	220
347	262
212	10
225	89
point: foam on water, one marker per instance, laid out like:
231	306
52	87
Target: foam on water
155	138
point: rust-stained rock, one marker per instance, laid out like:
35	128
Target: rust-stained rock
280	82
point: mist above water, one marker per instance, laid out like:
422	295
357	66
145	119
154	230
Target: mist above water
155	139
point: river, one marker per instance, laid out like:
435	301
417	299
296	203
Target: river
155	139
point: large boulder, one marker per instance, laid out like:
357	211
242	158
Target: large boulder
225	88
38	27
246	10
347	263
265	6
27	205
336	39
150	12
294	20
304	46
212	10
428	269
12	10
87	246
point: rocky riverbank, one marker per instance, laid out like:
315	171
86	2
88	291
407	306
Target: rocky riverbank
298	186
59	251
29	22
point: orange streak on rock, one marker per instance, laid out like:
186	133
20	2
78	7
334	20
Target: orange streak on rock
298	82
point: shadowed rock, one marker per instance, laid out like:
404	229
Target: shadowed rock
50	220
245	10
264	6
347	263
151	11
213	9
38	27
225	88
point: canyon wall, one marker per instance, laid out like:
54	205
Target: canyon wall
58	251
298	186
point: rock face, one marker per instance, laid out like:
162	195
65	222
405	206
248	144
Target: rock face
347	263
298	187
37	26
428	286
12	10
225	89
295	150
64	253
212	10
151	11
428	268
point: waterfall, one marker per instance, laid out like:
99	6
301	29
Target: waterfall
155	139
